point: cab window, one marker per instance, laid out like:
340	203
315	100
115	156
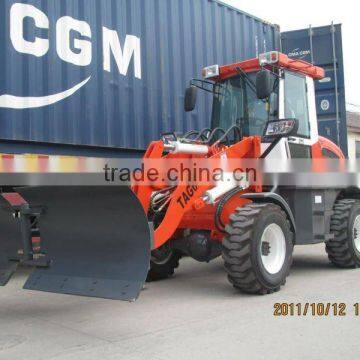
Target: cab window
235	102
296	105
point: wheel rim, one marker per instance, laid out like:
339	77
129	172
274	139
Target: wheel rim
273	248
161	256
356	232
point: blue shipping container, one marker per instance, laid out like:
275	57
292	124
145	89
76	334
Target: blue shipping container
323	47
111	74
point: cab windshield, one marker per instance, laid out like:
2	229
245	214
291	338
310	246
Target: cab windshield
236	102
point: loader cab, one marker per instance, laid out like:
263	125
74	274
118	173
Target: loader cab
292	96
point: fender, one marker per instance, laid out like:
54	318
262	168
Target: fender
276	199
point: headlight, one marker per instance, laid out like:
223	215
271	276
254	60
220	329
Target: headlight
281	128
211	72
269	58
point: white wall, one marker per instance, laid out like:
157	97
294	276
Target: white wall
352	137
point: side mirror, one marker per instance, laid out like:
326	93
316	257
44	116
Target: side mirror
281	128
264	84
190	98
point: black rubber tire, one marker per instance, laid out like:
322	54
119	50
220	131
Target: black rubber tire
341	250
164	268
242	248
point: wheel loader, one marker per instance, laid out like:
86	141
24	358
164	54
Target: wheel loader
106	241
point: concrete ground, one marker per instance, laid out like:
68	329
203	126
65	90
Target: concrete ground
196	315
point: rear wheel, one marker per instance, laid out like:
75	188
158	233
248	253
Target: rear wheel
163	263
344	249
258	248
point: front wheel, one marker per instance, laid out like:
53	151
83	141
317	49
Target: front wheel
163	263
258	248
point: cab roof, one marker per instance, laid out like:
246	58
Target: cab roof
283	62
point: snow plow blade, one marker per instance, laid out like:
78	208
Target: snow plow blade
10	241
97	241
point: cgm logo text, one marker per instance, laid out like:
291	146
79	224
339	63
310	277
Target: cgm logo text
76	50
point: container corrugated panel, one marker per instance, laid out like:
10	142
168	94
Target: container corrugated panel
112	73
323	47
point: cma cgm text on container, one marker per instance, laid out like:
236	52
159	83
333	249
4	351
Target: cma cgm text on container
76	51
112	73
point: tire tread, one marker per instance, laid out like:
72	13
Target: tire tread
164	271
339	249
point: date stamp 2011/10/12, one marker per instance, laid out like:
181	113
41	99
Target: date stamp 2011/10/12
316	309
